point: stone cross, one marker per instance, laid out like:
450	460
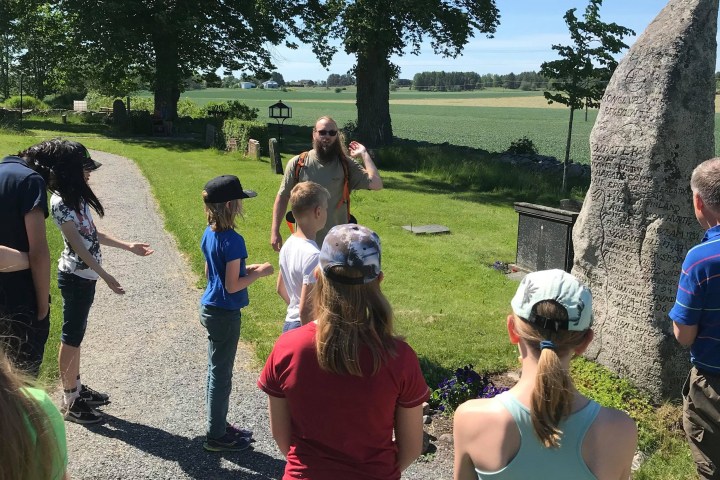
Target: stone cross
655	124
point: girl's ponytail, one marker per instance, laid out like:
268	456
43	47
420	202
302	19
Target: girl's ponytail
552	396
553	393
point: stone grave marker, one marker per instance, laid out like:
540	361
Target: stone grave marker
120	116
655	124
209	135
253	149
275	160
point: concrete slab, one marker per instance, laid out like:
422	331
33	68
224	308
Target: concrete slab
426	229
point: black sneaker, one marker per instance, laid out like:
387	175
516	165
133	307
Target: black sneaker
80	412
92	397
237	431
227	443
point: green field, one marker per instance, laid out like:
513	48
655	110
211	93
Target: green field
439	117
435	117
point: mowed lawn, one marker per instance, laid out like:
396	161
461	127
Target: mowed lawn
449	303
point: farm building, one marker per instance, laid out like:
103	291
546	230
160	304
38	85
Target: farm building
247	85
270	84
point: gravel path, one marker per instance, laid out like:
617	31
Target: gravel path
147	349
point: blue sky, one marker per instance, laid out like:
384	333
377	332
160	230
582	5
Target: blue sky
528	29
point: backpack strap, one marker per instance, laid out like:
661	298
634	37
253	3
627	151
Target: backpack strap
346	185
298	165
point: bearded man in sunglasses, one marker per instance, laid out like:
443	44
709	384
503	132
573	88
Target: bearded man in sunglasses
327	164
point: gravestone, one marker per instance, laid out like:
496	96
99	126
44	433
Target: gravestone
120	116
253	149
209	135
544	237
231	145
655	124
275	160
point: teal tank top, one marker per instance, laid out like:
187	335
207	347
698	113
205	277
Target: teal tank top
533	459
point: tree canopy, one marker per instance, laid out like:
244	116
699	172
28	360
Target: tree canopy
374	30
164	42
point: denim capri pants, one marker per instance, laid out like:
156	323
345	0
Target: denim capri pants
78	294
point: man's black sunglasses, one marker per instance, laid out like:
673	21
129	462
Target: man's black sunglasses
322	133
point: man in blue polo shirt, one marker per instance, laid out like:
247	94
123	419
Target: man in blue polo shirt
696	323
25	294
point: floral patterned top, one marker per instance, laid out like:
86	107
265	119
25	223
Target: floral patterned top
70	261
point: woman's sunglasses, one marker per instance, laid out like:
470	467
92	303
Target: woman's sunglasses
322	133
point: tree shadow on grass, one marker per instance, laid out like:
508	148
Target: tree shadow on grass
434	373
188	453
175	144
74	128
418	184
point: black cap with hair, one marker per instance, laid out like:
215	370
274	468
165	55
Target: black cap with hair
87	162
226	188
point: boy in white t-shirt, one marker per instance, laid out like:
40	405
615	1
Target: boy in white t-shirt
299	255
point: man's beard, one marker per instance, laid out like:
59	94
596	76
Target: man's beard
329	152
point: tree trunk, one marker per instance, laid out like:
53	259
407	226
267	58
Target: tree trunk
373	74
567	151
6	68
167	72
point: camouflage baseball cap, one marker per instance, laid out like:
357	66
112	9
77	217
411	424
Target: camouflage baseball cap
353	246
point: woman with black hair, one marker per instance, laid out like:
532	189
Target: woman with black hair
80	264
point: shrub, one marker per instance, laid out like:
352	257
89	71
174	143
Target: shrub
28	102
465	385
243	130
91	118
522	146
338	89
95	101
231	109
64	100
349	128
146	104
188	108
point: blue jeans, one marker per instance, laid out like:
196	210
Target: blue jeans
291	325
223	328
78	294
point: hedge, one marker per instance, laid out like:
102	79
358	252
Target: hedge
242	131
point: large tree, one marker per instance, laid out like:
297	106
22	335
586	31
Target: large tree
580	76
9	12
164	42
374	30
45	57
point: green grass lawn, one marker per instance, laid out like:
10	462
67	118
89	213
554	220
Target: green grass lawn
449	304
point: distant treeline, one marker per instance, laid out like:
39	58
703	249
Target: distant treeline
459	81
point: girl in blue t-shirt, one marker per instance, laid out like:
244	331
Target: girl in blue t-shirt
228	277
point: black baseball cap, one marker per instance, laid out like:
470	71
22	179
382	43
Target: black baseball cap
226	188
87	162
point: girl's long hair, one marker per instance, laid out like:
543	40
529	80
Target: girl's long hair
350	317
61	162
221	216
24	456
552	396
